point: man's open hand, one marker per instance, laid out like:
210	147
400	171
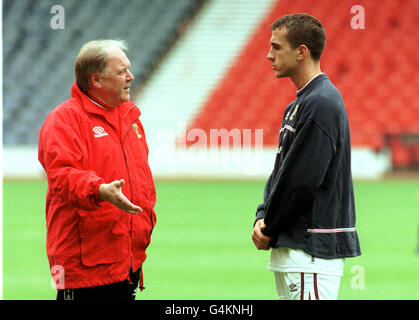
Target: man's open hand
112	192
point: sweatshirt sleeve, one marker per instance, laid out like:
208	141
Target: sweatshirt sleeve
260	211
299	177
62	152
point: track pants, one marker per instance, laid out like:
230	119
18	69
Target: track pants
306	286
124	290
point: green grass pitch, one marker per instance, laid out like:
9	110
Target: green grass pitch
202	249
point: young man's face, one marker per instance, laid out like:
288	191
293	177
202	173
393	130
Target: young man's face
116	79
282	56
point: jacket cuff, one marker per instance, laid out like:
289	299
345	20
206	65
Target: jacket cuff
260	214
98	201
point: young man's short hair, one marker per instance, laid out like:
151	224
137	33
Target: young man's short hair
303	29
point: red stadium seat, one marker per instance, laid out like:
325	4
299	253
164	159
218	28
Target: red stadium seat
375	69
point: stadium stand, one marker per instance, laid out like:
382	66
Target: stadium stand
216	75
374	68
38	60
196	64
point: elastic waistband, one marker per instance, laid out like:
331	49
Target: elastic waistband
338	230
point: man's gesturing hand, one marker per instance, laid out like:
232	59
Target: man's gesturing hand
259	239
112	192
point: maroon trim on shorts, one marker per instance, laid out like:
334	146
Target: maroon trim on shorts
302	286
316	292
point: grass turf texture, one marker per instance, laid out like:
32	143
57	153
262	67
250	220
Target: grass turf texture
202	248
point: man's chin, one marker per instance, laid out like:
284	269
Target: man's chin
125	98
278	74
281	75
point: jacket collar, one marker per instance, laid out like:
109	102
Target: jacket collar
125	109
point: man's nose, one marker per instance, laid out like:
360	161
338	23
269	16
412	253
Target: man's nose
130	76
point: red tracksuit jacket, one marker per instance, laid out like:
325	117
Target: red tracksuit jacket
81	146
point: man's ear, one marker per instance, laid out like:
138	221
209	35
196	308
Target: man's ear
302	52
95	80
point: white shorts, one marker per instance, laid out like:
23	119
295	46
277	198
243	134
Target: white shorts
306	286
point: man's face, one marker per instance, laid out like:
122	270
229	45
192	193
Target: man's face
282	56
115	80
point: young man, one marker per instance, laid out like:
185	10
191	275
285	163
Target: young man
101	195
307	216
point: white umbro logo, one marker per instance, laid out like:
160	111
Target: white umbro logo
99	132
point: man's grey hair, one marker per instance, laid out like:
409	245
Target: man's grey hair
93	57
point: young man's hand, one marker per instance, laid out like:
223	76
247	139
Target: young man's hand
112	192
261	241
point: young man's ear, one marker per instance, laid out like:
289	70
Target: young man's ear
302	52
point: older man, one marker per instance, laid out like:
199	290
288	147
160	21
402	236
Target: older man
101	195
